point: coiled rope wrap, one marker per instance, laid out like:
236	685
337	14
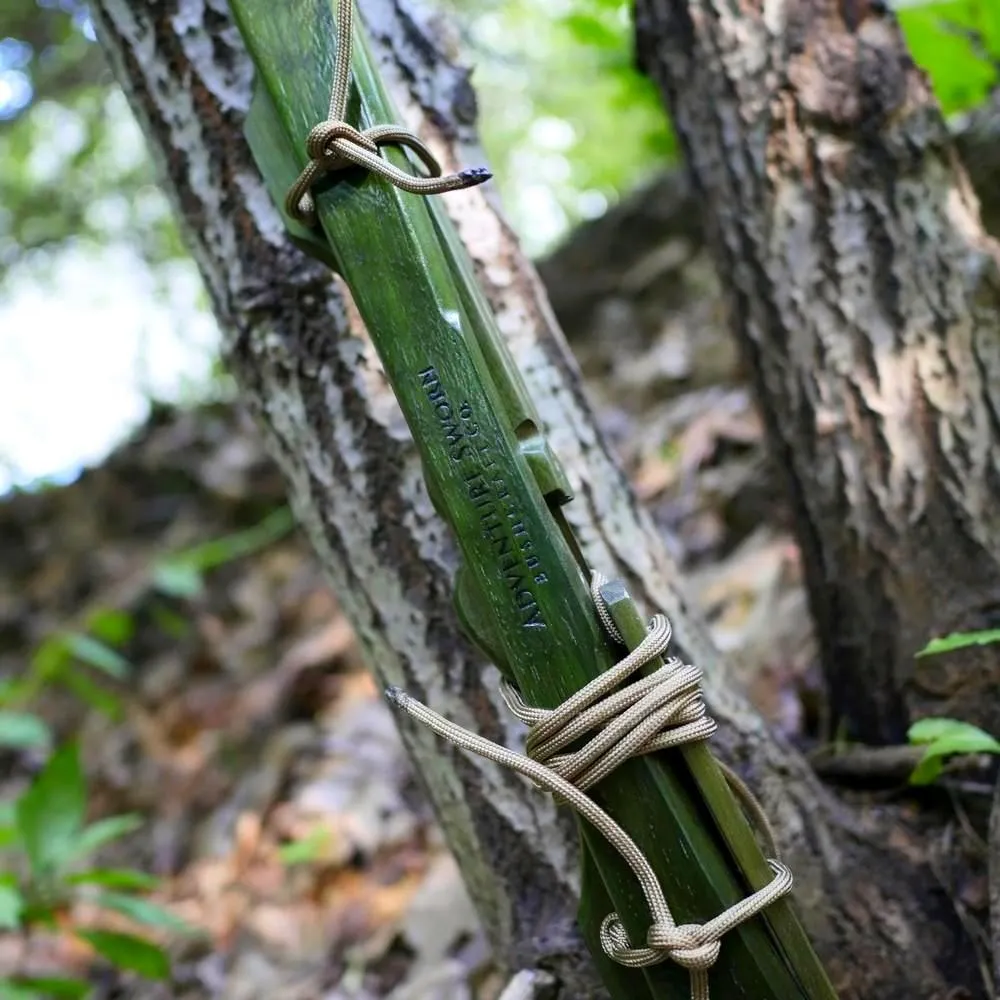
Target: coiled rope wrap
662	710
334	145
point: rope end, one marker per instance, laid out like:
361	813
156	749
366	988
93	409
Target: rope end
475	175
397	697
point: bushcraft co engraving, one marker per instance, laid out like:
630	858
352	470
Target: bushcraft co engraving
502	523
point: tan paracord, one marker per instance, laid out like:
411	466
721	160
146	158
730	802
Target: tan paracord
653	713
333	144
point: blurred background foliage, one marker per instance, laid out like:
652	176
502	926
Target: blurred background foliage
568	123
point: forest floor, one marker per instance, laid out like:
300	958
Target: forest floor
281	812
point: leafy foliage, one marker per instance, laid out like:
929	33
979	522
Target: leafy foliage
50	833
945	738
568	121
22	730
45	829
74	163
50	814
958	43
181	574
129	952
307	849
44	988
960	640
11	907
47	51
58	660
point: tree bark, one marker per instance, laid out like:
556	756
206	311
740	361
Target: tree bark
658	232
307	372
863	293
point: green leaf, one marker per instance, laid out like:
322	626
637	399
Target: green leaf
142	911
9	690
93	694
960	640
309	848
177	578
52	988
23	730
113	626
104	831
945	738
927	770
934	728
952	736
595	31
8	824
971	740
40	915
98	655
51	656
126	951
114	878
11	906
174	625
9	990
939	37
181	575
50	813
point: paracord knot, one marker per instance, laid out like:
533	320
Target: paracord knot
686	944
661	710
333	144
320	148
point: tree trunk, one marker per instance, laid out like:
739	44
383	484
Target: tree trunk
864	296
307	371
659	230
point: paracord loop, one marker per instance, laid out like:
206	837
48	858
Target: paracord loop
333	144
658	711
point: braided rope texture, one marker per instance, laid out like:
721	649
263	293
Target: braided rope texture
334	145
664	709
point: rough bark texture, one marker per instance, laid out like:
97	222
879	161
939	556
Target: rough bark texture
863	292
307	371
650	331
658	231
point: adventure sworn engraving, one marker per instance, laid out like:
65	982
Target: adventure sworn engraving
501	521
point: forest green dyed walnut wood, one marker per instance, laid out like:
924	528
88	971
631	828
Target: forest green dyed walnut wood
521	591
